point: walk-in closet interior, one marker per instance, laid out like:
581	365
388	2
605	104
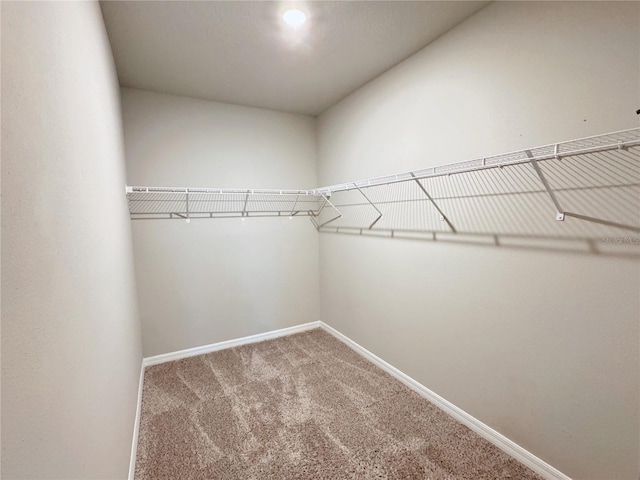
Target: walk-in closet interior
320	240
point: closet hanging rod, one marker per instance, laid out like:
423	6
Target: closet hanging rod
597	143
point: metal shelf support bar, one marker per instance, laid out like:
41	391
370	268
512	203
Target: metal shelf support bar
543	179
313	220
244	208
187	204
293	209
372	204
442	214
561	214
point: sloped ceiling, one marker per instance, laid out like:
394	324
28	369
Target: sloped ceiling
242	52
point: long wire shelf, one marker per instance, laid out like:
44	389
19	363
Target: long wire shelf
556	151
584	188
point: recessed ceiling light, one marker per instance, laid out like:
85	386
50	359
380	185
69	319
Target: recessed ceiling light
294	18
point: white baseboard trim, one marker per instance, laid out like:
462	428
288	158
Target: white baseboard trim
136	426
214	347
516	451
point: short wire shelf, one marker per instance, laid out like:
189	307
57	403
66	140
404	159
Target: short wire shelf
193	203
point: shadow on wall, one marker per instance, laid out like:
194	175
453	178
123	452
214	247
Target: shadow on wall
586	203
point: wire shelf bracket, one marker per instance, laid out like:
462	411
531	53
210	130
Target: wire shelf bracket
543	179
443	217
314	215
373	205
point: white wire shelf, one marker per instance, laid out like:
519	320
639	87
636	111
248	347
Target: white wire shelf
192	203
555	151
580	189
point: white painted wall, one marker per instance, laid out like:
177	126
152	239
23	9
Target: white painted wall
541	346
220	279
71	349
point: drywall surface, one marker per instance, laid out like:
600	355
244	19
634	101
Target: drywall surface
540	345
219	279
71	349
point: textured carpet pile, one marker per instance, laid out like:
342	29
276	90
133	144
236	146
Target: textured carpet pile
301	407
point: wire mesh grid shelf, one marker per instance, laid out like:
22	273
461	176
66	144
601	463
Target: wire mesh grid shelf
188	203
581	189
585	188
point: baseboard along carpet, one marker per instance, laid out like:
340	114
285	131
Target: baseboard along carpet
304	406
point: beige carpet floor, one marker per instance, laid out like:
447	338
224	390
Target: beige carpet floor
301	407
